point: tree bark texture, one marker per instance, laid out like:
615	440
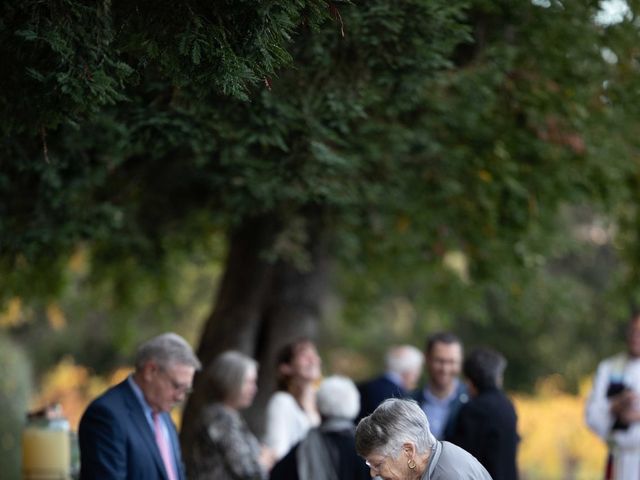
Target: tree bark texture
260	306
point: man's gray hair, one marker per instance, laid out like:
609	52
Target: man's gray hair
391	425
227	373
338	397
403	358
166	350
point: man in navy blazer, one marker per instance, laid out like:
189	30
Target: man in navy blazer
403	366
127	432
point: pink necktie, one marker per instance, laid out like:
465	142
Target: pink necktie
163	446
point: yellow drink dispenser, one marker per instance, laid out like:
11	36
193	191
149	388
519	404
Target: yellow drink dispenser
46	449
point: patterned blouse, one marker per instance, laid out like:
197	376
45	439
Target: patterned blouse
225	448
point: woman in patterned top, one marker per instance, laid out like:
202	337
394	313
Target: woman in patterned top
225	448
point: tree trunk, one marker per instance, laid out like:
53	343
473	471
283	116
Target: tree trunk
260	306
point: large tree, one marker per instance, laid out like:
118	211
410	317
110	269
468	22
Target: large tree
373	135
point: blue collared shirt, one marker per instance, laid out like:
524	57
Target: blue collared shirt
437	410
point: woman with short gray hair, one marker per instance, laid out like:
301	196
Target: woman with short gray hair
397	444
224	448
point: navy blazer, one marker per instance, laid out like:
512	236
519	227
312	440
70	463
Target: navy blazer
117	442
376	391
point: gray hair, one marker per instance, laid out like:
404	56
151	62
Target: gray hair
227	373
166	350
403	358
394	423
338	397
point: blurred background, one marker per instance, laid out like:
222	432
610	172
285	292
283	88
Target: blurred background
68	351
364	173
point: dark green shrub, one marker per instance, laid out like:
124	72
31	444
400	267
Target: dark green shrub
15	389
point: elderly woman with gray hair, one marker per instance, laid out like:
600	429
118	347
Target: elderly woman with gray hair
328	451
224	447
397	444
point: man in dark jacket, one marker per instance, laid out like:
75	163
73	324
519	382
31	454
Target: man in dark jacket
487	425
127	432
403	367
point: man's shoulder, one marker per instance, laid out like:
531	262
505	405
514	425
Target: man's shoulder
493	404
381	382
491	397
107	410
418	394
112	398
614	363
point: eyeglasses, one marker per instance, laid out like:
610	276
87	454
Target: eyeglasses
376	466
179	387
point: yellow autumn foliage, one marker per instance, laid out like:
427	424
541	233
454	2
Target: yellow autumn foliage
12	315
73	387
56	317
555	442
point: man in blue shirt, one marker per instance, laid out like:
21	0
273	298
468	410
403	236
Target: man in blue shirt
444	393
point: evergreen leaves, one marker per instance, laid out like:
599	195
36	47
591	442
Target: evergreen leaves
412	128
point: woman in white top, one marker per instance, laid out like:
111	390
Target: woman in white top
292	410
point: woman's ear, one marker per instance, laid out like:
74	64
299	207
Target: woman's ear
409	449
285	369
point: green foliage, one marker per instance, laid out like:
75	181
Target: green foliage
558	313
518	130
62	61
114	306
15	389
172	152
71	162
411	129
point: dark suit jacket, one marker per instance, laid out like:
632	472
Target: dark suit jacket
116	440
461	398
376	391
487	428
